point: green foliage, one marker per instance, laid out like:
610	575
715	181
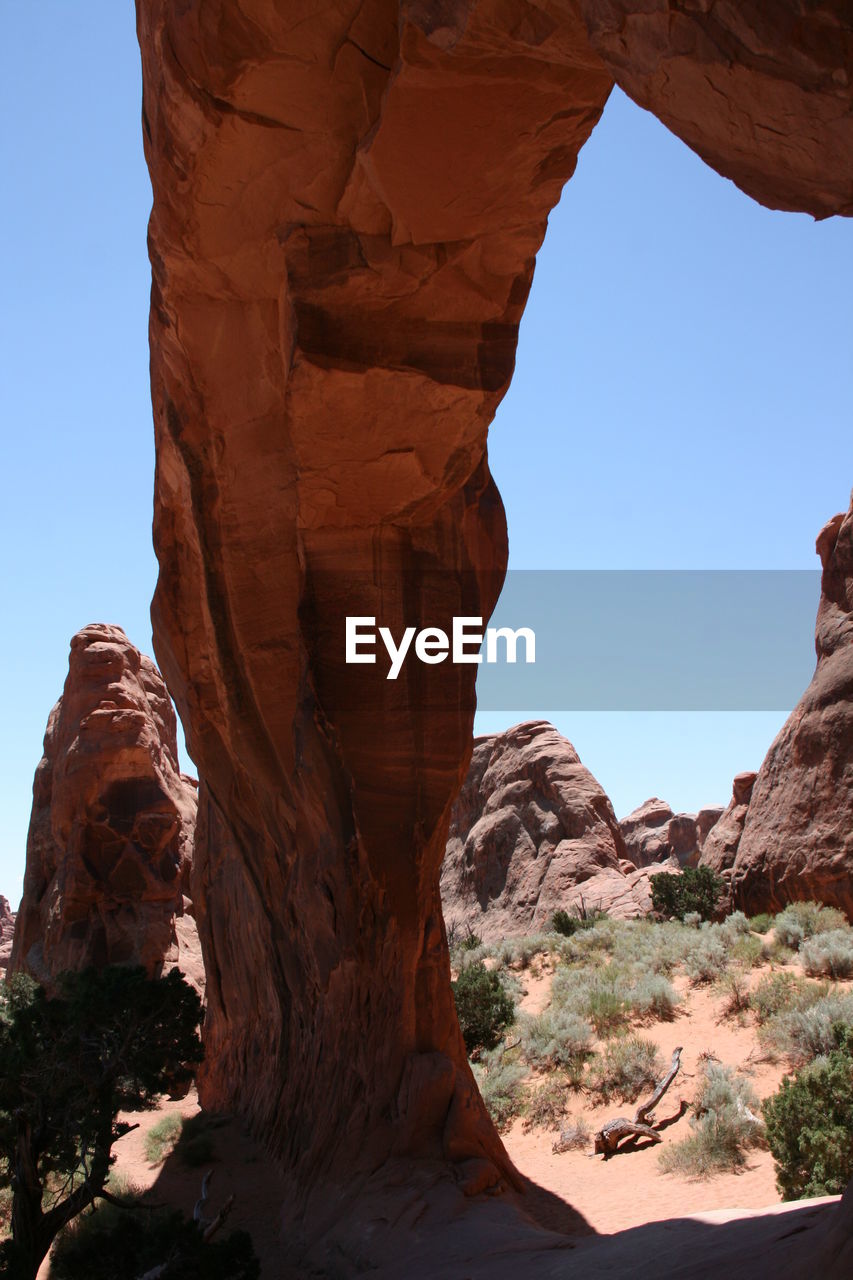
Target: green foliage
565	923
829	954
810	1122
760	923
483	1005
725	1126
109	1041
803	920
653	996
161	1138
695	889
115	1242
626	1067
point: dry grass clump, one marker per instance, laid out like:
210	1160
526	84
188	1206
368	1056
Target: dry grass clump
805	1033
781	992
829	954
558	1037
501	1084
625	1067
725	1124
802	920
575	1134
545	1107
161	1138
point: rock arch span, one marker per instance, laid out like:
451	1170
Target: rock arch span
348	202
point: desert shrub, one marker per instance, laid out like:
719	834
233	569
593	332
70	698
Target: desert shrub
707	957
810	1122
760	923
692	919
735	925
545	1107
695	889
115	1242
653	996
625	1067
483	1006
782	992
735	991
501	1084
565	923
746	950
161	1138
574	1134
829	954
801	920
558	1037
470	941
725	1126
808	1032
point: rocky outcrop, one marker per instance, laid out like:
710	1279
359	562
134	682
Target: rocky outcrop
110	838
797	836
348	201
531	831
7	931
762	92
722	843
653	833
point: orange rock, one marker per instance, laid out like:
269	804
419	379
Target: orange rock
348	201
797	840
110	837
531	831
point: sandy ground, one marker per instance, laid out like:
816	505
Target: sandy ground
630	1189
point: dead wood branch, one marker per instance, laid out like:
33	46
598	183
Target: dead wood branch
611	1134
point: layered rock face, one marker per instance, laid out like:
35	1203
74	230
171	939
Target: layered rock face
721	845
653	833
7	931
110	837
797	822
531	831
348	201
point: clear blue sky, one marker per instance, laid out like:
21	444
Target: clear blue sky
682	397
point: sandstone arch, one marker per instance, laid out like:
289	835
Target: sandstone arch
348	201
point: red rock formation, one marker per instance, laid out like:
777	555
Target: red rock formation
7	931
797	839
763	92
721	845
531	831
110	838
653	833
347	204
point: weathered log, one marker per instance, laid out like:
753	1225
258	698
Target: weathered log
609	1136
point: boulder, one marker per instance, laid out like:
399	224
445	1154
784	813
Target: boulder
531	831
722	842
653	833
109	845
797	836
